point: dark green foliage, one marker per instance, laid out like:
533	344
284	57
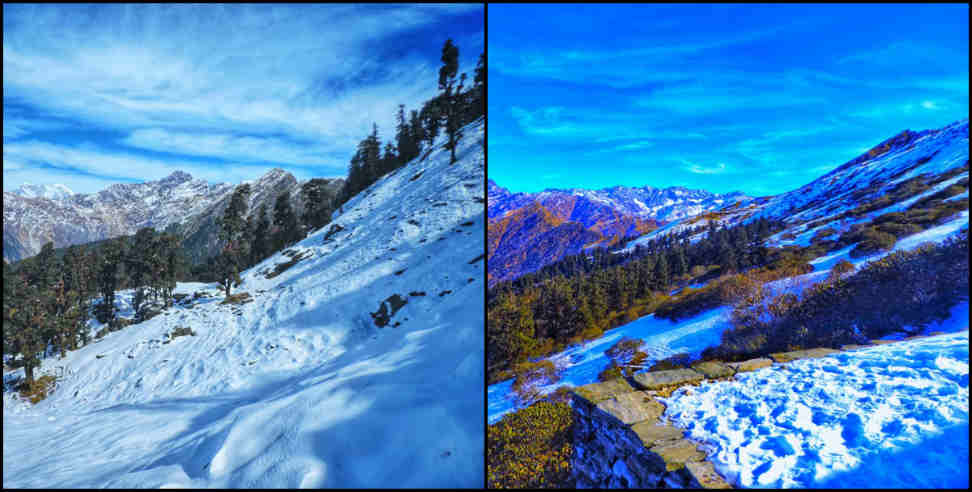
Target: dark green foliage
531	448
318	205
260	246
903	291
235	236
610	372
286	228
579	297
451	92
873	241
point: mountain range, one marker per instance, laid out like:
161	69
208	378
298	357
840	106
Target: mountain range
529	230
179	203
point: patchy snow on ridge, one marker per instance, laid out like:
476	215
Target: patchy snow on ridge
891	416
581	364
298	388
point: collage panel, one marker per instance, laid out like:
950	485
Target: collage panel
727	246
244	246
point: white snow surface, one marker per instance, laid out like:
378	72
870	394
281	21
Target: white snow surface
298	388
891	416
581	364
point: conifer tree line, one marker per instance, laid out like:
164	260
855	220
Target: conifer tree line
49	298
577	297
456	105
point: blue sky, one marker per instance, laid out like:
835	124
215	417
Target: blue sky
99	94
761	99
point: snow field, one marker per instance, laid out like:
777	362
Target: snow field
840	421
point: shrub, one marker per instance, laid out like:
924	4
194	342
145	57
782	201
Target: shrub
531	448
530	376
610	371
691	302
874	241
822	233
842	267
38	390
677	361
238	298
903	291
899	230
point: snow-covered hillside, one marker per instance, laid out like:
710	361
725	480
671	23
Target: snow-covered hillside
298	388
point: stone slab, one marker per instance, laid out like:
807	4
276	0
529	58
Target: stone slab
677	453
633	407
802	354
882	342
598	392
652	433
713	369
704	476
751	364
663	379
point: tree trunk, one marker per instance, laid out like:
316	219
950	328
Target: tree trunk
29	372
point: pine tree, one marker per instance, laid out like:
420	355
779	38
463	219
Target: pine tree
450	95
261	245
662	271
139	268
285	220
317	205
108	266
233	234
416	132
479	88
389	160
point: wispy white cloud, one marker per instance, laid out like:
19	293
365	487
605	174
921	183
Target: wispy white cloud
718	168
236	148
252	83
36	158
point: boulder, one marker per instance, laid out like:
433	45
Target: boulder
663	379
802	354
882	342
598	392
653	433
713	369
632	407
751	364
677	453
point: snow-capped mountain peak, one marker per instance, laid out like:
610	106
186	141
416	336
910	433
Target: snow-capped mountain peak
51	192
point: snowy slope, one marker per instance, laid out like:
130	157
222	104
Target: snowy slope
893	416
581	364
298	388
